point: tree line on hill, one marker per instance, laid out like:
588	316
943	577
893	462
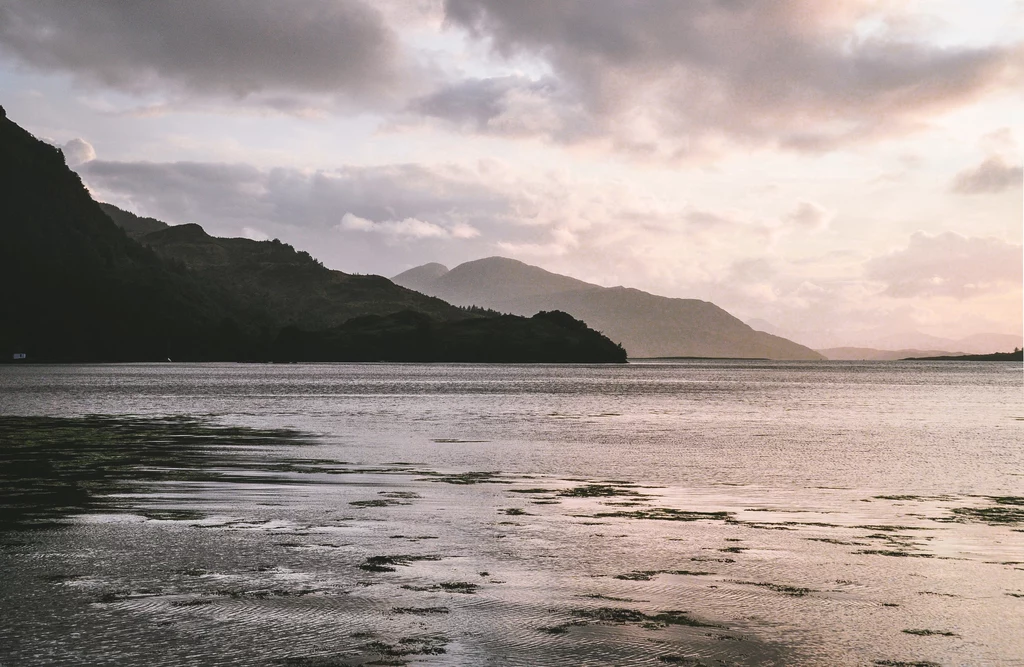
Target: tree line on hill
80	288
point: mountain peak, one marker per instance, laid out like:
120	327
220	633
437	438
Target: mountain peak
420	278
503	278
434	268
495	261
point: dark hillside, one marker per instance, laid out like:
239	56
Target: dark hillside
548	337
133	225
76	287
289	285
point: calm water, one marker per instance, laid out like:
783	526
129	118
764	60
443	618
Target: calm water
686	513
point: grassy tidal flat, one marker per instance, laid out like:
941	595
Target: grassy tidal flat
689	513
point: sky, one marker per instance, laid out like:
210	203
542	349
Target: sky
840	172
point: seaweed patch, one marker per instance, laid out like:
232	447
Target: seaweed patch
647	575
599	491
930	633
795	591
621	616
665	514
389	563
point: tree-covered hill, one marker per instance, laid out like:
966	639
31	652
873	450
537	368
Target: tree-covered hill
547	337
78	288
290	285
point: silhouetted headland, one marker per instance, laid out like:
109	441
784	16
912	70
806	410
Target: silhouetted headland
78	288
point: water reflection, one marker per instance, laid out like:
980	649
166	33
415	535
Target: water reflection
51	468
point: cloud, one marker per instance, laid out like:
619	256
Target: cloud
77	152
486	209
948	265
508	106
659	78
809	216
993	175
411	228
686	78
239	49
254	234
1000	141
560	242
236	193
366	219
383	217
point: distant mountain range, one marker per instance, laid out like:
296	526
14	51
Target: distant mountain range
871	354
878	345
645	324
982	343
79	288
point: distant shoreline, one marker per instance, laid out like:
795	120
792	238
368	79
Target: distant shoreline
1017	355
711	359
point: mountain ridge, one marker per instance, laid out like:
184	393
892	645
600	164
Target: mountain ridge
647	325
133	225
877	339
81	289
290	284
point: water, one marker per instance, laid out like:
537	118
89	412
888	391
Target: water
798	513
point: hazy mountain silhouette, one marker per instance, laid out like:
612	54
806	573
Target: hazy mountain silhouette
877	343
888	348
645	324
982	343
872	354
77	288
985	343
423	275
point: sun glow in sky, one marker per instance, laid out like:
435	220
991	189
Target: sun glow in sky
840	172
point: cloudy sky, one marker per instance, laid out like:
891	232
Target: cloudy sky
842	171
